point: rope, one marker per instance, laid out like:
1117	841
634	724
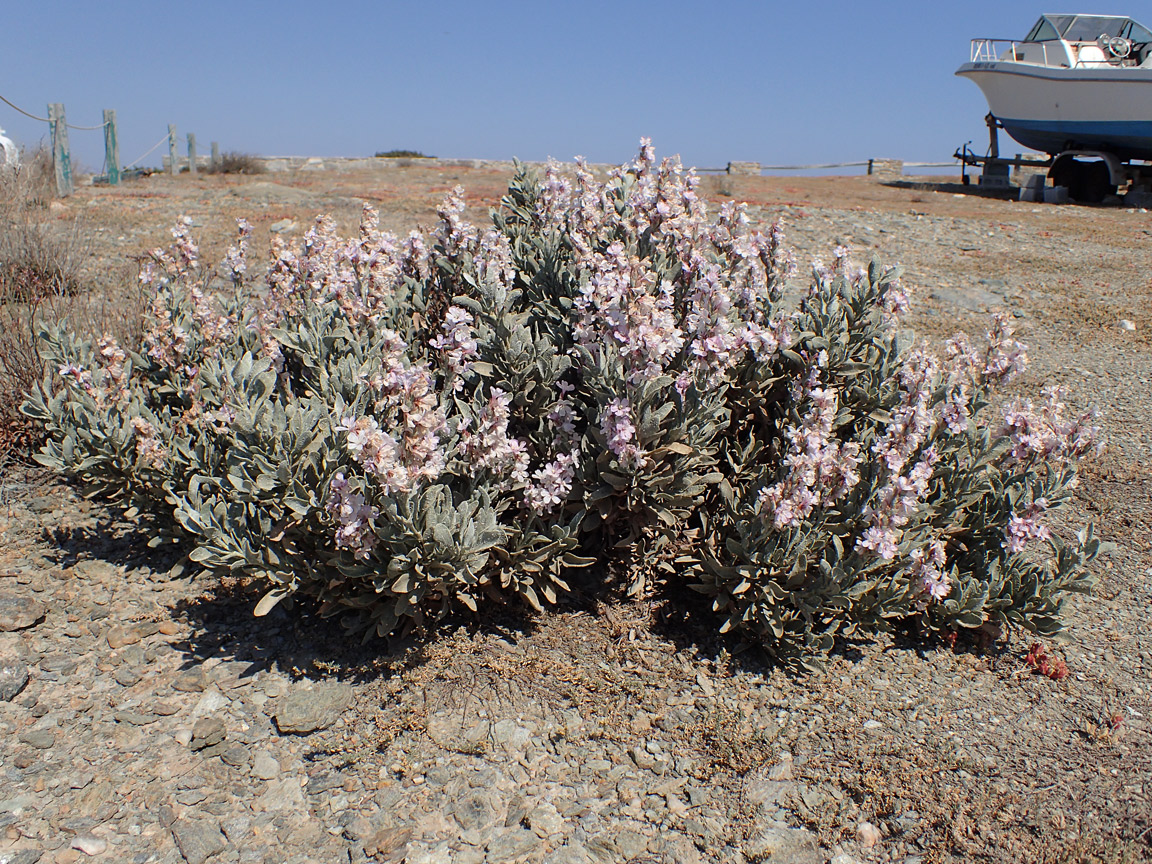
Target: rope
25	113
48	119
146	155
811	167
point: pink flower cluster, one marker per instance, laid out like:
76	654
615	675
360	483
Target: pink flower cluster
1043	432
408	401
1025	526
927	570
550	485
897	503
821	469
490	448
149	449
620	431
236	261
912	419
353	519
457	344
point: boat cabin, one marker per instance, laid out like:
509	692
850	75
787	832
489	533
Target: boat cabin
1084	40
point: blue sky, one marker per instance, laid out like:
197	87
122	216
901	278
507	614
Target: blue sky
774	82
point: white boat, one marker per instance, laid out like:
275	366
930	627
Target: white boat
1074	83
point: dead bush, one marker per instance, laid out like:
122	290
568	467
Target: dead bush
238	163
40	283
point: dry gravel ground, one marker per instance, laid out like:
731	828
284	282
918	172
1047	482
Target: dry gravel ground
146	715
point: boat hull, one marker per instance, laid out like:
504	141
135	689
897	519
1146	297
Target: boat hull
1055	109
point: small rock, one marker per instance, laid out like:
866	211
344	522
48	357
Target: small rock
19	613
41	739
193	680
118	637
264	766
476	809
630	844
212	701
843	858
237	756
283	794
198	841
89	844
282	226
794	845
867	834
13	677
207	732
1125	324
307	710
642	758
388	843
127	677
782	770
134	718
545	820
510	845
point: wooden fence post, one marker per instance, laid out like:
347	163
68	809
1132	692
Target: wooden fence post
191	154
171	149
215	156
111	148
61	157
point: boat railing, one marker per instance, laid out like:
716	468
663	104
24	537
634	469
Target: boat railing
989	50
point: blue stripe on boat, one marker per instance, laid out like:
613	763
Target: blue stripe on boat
1128	139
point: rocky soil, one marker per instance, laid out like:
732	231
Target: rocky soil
147	717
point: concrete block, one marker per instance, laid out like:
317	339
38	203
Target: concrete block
1056	195
744	168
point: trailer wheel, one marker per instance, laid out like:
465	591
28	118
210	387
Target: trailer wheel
1095	183
1087	182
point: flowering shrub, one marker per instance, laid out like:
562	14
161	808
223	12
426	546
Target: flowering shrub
400	426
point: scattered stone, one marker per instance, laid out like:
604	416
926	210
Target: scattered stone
89	844
194	680
41	739
127	677
264	766
207	732
388	843
118	637
630	844
13	678
282	226
283	794
477	809
545	820
510	845
843	858
134	718
781	843
867	834
198	841
237	756
23	856
1125	324
314	708
20	613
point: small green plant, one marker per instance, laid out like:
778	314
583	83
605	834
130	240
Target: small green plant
401	154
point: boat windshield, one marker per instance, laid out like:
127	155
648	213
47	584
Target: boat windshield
1086	28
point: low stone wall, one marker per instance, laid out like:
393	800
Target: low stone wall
280	164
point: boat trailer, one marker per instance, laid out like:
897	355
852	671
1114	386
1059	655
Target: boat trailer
1089	176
